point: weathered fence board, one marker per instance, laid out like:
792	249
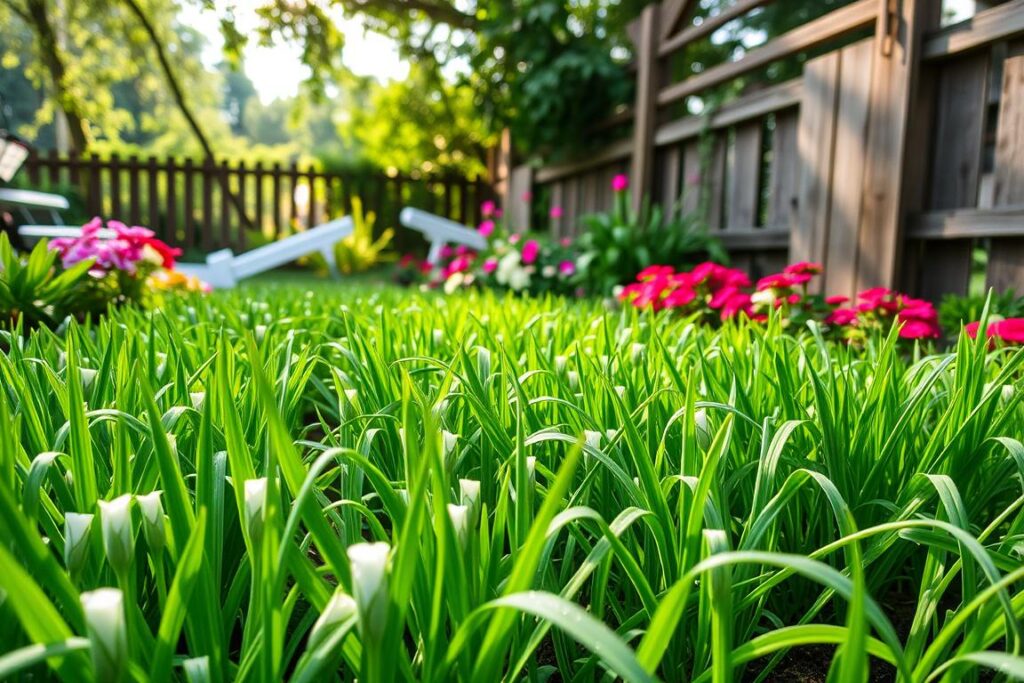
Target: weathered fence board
892	158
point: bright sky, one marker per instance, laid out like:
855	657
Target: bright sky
277	70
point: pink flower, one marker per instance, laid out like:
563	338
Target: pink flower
461	250
556	212
620	182
486	228
565	242
803	268
652	272
775	281
842	317
490	265
567	268
918	329
836	300
447	251
488	208
527	196
1010	330
514	238
530	251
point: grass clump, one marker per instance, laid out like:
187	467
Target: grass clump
390	486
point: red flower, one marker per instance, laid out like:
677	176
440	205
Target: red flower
167	252
652	272
836	300
918	329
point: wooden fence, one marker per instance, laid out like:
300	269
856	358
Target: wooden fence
895	156
207	205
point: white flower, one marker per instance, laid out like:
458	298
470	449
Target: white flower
108	635
255	506
454	282
469	492
152	520
620	390
636	352
574	380
76	540
118	535
531	468
198	399
764	297
459	515
340	608
549	271
438	337
519	279
88	377
560	363
593	439
370	585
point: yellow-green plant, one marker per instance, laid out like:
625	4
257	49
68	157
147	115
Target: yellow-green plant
360	251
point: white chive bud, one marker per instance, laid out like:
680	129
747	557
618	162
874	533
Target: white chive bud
574	380
560	362
459	515
255	507
1006	393
620	390
76	540
636	352
369	563
118	535
261	332
108	633
531	468
593	439
88	377
339	609
438	337
198	399
152	520
610	434
448	442
469	492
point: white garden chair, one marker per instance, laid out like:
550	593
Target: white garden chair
441	231
222	269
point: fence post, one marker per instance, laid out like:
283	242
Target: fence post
893	88
645	109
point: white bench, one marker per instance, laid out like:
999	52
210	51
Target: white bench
28	201
441	231
223	270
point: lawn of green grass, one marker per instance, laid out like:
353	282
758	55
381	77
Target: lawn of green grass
360	482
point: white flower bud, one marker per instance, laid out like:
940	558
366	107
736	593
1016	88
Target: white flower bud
636	352
118	534
593	439
469	492
449	441
370	585
198	399
152	520
531	468
459	515
76	540
620	390
88	377
108	634
339	609
261	332
255	507
438	337
574	380
560	363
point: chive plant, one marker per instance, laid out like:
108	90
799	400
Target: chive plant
378	485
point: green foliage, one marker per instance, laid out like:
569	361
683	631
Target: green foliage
35	290
559	489
360	251
955	311
616	245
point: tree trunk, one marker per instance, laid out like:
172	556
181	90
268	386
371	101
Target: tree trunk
179	98
38	18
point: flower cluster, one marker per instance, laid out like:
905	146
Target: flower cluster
129	250
881	308
128	264
715	292
710	289
1007	331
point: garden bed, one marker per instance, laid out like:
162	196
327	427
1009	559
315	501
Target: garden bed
560	488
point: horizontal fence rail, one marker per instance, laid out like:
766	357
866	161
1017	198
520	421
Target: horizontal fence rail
210	204
896	158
